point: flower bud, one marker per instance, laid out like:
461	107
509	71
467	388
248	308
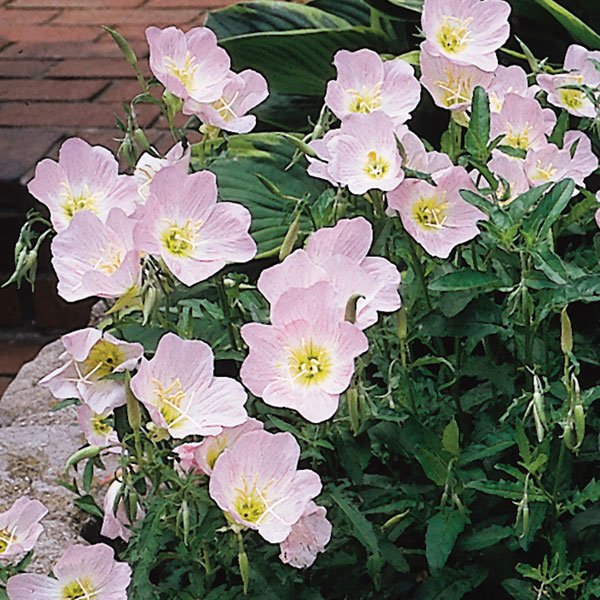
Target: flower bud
566	333
290	238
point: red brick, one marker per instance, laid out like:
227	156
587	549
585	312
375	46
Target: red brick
22	148
47	33
14	354
49	89
26	17
91	68
126	16
200	4
11	314
75	3
68	114
4	383
24	68
124	91
104	49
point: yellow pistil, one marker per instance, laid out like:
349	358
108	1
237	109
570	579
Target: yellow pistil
78	590
453	35
180	240
249	504
366	101
7	539
84	201
186	73
309	364
455	89
518	139
376	166
430	213
110	260
168	400
101	425
103	358
542	174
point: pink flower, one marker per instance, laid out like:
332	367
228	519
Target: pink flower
509	80
184	224
366	84
91	356
339	255
242	93
305	360
180	392
202	456
580	71
82	572
92	258
190	65
85	178
257	483
308	537
117	525
20	527
97	428
362	154
467	32
417	157
584	162
148	166
512	171
523	122
437	217
451	85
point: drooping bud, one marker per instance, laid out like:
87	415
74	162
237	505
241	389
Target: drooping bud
350	314
290	238
566	333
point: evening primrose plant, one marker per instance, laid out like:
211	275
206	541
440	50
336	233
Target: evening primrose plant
349	347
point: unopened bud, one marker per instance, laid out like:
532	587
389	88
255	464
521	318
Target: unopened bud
87	452
352	399
244	569
123	44
579	418
133	406
566	333
300	144
401	324
140	136
350	314
290	238
173	103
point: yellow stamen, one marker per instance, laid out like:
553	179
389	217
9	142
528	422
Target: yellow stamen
180	240
456	89
186	73
453	35
110	260
101	425
86	200
430	213
80	589
309	364
366	101
168	400
250	504
103	358
7	539
376	166
225	107
543	174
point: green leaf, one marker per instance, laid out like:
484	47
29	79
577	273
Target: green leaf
590	493
478	133
267	154
464	279
262	15
297	62
549	209
512	490
360	527
484	538
435	468
573	24
450	438
442	531
87	504
356	12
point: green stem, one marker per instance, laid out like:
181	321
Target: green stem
561	456
418	268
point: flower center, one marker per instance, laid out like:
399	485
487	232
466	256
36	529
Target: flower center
518	139
573	99
186	73
225	107
309	364
543	174
7	538
430	213
79	590
366	101
250	505
376	166
180	240
103	358
101	425
86	200
168	400
454	34
216	451
110	260
456	89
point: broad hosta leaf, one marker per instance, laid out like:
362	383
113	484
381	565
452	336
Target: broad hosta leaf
267	154
356	12
573	24
297	62
399	9
442	531
260	16
464	279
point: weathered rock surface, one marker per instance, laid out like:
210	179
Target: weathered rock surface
34	446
